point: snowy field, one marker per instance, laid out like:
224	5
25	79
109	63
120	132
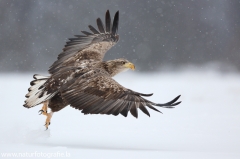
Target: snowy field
205	125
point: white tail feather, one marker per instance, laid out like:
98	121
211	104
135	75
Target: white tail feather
36	76
34	96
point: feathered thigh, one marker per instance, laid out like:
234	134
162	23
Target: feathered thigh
56	103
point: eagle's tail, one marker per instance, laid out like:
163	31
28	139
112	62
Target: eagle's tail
36	94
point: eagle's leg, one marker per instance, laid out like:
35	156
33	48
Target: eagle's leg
44	108
43	111
48	120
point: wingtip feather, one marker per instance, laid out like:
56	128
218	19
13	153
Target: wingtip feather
108	23
100	25
115	23
93	29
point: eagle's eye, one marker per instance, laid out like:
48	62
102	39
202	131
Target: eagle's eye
123	62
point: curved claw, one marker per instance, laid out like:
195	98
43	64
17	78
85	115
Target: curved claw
41	111
46	125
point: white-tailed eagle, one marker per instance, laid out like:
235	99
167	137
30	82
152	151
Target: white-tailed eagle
80	78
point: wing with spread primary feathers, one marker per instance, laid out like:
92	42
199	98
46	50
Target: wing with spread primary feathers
89	47
100	94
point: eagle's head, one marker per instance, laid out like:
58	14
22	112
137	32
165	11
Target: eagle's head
118	65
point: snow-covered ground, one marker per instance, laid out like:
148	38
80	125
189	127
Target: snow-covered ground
205	125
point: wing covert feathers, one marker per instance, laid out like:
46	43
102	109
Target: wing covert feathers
102	95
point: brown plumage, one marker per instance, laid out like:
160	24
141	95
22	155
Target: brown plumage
81	79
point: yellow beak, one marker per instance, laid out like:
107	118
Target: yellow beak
130	65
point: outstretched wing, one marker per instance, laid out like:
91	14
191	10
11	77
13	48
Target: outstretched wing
90	47
100	94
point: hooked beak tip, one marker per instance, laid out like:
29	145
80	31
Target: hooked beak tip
130	65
